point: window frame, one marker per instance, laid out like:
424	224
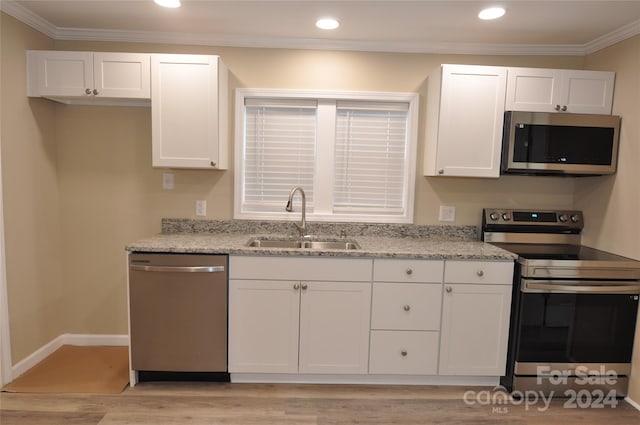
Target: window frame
325	173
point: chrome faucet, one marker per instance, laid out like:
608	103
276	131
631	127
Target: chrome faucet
302	227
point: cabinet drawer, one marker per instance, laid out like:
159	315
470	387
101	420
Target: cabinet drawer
487	272
408	271
404	353
406	306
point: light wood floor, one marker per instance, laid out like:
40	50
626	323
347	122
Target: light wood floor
258	404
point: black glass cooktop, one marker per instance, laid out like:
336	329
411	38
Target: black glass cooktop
560	252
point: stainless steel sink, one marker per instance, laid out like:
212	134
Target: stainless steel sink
302	244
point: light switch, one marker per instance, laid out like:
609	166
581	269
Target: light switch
201	208
167	181
447	213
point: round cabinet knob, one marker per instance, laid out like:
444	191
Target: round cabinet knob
557	107
480	273
296	286
575	218
506	217
563	218
87	91
407	307
449	289
304	286
564	108
213	163
494	216
404	353
409	271
95	92
441	171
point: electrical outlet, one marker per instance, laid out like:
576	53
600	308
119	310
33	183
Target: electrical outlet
168	181
447	213
201	208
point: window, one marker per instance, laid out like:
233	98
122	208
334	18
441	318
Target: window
352	153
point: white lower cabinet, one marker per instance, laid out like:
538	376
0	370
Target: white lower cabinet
420	318
405	317
263	326
299	326
475	318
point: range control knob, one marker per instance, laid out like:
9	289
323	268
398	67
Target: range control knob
563	218
494	216
506	217
575	218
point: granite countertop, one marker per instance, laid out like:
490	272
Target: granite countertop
376	241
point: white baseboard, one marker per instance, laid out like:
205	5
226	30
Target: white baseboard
633	403
65	339
481	381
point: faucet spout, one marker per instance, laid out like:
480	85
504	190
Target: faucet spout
302	227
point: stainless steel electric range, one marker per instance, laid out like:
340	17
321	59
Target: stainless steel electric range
574	309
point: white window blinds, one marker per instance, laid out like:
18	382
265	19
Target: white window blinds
353	153
279	151
370	158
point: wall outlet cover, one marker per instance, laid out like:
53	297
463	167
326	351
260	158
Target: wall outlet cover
447	213
201	208
168	181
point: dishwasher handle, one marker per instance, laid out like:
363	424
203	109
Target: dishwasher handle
178	269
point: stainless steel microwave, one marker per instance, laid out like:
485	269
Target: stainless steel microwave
559	143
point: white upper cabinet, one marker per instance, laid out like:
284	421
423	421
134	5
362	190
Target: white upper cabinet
556	90
465	114
86	77
189	111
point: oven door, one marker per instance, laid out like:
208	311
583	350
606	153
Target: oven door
570	323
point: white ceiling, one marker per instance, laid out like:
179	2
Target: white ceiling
530	27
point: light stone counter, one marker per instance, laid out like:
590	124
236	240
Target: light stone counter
376	241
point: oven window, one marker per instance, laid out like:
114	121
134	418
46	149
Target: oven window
563	144
572	328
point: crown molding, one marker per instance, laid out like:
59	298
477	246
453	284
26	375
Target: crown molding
80	34
86	34
622	33
26	16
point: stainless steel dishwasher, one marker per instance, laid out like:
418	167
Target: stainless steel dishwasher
178	312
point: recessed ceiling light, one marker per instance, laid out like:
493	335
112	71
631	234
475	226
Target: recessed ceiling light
327	23
491	13
168	3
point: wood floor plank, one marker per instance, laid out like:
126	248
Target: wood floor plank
12	417
162	403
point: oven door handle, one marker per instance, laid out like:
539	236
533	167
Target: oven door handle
578	287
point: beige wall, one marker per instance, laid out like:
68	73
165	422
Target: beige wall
612	204
37	305
110	195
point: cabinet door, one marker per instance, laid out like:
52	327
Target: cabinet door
122	75
588	92
263	326
186	121
533	89
334	327
555	90
475	325
55	73
471	116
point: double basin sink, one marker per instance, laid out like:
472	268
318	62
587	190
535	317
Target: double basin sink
318	244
